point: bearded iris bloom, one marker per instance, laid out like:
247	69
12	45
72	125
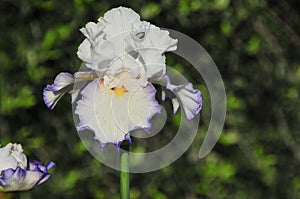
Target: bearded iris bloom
124	57
16	174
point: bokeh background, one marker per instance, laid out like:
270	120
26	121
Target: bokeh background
254	43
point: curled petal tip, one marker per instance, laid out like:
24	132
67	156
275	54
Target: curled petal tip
50	165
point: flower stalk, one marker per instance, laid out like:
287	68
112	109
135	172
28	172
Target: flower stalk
124	176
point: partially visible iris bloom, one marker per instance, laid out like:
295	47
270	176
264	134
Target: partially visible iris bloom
124	56
16	174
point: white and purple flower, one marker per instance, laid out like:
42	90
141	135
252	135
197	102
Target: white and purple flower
16	174
124	56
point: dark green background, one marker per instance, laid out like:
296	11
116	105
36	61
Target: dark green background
254	43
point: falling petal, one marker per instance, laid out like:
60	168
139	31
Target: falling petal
189	98
185	95
62	80
112	115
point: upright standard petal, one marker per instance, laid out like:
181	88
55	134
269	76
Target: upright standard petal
158	39
92	31
85	52
112	113
151	43
118	25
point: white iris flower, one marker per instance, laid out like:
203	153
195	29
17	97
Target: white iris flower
124	56
16	174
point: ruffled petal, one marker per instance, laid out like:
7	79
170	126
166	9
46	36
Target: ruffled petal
52	93
189	98
62	80
50	97
118	25
125	62
101	55
12	156
110	116
92	31
185	95
94	50
84	52
20	179
158	39
65	83
97	55
154	63
151	43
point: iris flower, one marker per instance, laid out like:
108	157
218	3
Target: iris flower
16	174
124	57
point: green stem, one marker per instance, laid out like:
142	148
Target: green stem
124	176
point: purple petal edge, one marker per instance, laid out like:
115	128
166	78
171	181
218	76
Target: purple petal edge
190	88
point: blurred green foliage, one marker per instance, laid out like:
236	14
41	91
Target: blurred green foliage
256	46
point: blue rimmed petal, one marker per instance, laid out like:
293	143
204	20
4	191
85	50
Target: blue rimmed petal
50	165
189	98
112	117
2	183
51	97
65	83
184	95
62	80
62	84
20	179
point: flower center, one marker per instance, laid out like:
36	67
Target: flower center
119	91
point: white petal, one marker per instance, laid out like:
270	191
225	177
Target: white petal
20	179
62	80
84	52
111	117
118	25
12	156
94	50
158	39
154	63
101	55
92	31
98	56
62	84
189	98
125	62
151	43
